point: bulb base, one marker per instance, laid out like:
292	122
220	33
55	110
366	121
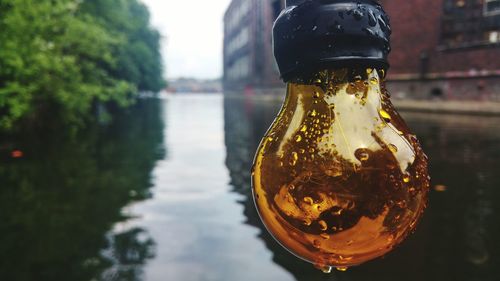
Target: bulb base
317	34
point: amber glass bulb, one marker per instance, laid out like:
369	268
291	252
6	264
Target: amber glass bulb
339	179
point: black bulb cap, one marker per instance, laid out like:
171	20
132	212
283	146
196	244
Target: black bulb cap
310	35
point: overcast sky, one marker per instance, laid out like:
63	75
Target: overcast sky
193	33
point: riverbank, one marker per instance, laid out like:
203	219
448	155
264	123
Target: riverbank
454	107
432	106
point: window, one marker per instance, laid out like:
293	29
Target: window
470	23
460	3
238	41
494	37
240	69
237	14
491	7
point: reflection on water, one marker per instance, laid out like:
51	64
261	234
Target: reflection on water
110	204
59	200
458	237
194	217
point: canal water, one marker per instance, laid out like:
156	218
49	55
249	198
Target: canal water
163	193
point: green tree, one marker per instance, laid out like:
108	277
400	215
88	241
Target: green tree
139	59
58	58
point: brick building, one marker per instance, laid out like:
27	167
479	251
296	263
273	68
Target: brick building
248	57
446	49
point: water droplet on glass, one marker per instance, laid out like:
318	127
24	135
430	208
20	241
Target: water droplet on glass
372	21
324	268
337	212
362	155
393	148
384	115
316	244
308	200
295	157
406	178
382	22
369	31
402	204
357	14
323	225
324	236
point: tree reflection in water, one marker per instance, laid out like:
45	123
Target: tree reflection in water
58	202
458	237
129	251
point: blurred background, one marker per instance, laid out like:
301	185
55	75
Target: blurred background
128	129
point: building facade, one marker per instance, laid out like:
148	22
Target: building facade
248	58
447	49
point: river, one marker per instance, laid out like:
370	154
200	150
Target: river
163	193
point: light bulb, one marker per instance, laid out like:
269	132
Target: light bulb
339	179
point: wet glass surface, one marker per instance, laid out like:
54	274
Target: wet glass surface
163	193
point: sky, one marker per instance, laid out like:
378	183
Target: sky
192	33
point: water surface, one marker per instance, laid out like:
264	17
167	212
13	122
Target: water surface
163	193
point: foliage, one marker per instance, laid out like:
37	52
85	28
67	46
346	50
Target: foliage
60	58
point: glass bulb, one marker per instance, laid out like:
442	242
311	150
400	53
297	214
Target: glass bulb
339	179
